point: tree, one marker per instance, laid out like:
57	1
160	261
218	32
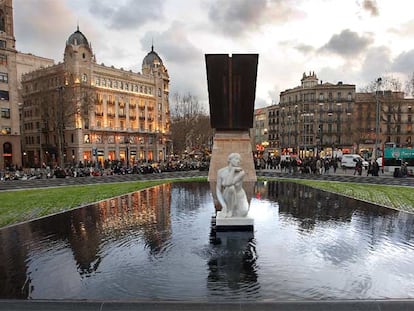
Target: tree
388	82
409	86
190	124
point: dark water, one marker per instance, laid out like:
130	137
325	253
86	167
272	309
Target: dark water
156	244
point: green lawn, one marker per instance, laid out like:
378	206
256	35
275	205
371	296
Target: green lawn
21	205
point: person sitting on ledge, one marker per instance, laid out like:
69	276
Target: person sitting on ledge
229	190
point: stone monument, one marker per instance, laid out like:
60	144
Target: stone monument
232	88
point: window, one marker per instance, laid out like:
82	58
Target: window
2	44
3	59
5	113
6	130
2	21
4	77
84	78
4	95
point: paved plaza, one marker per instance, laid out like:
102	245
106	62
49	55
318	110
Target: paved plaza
339	175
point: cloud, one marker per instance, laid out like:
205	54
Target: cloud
126	14
304	48
377	60
347	43
183	60
404	62
173	44
406	29
371	6
39	35
237	17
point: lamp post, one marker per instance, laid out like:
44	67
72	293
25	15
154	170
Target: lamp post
126	141
60	122
289	129
377	119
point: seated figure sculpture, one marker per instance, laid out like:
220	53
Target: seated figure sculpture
229	190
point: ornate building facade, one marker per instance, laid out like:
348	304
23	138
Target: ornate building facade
316	118
82	111
9	121
12	65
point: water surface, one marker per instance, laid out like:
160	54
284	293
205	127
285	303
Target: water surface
157	244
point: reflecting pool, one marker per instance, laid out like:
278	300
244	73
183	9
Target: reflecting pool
157	244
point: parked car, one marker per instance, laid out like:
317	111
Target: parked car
349	160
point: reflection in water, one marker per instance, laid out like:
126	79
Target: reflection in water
154	244
232	265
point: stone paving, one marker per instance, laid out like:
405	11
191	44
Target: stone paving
383	179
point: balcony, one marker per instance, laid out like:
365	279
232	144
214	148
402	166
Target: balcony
98	113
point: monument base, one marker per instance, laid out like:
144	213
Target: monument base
233	223
226	142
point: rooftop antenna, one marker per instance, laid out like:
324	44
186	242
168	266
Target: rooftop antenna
152	44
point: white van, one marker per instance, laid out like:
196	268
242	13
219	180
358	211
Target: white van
349	160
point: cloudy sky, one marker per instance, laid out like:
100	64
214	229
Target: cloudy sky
353	41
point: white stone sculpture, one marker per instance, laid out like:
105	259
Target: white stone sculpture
229	189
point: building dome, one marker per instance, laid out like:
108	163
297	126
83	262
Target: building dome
77	38
151	59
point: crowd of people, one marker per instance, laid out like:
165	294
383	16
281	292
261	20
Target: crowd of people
108	167
315	165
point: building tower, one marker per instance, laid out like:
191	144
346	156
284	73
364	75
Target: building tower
10	150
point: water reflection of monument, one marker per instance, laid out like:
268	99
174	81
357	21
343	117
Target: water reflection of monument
233	264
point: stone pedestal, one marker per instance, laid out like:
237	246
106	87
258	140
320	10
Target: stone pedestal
226	142
233	223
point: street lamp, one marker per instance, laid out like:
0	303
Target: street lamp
126	142
377	120
289	129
